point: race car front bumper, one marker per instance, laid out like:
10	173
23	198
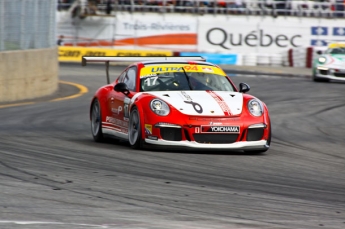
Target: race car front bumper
242	145
330	73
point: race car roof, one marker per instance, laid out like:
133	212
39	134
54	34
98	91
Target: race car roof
337	45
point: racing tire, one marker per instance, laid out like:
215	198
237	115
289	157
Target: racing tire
318	79
134	129
96	121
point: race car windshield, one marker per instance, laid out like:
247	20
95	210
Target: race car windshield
337	51
184	80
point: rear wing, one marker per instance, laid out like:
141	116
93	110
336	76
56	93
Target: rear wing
100	59
132	59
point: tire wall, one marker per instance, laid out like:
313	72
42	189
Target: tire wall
28	74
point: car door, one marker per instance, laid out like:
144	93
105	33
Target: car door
119	102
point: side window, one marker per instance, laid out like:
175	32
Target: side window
122	76
130	78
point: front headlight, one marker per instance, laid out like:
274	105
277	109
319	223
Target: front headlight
255	107
160	107
322	60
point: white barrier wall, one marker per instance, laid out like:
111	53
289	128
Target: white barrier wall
28	74
221	33
260	40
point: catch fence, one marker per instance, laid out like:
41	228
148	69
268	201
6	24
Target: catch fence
300	8
27	24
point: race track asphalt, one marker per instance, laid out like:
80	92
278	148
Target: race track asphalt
54	176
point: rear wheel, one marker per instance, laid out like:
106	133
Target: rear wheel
96	121
134	129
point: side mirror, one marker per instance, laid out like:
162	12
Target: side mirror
121	87
244	87
319	52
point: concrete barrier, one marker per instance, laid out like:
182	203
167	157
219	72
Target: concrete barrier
28	74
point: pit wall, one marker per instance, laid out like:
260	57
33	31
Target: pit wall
28	74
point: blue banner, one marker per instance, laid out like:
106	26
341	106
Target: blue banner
319	30
215	58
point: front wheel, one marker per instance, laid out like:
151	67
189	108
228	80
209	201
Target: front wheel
318	79
96	121
134	129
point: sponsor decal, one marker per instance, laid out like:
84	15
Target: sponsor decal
220	129
315	42
160	26
174	68
319	30
150	70
336	45
207	69
220	37
216	123
191	68
321	35
166	69
148	128
225	108
339	31
186	96
116	121
74	54
116	110
197	107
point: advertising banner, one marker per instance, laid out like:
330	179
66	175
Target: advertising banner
265	34
75	54
151	30
156	30
241	34
217	58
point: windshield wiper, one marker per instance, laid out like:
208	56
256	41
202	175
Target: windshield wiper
187	77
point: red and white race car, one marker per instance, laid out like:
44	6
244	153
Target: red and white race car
178	102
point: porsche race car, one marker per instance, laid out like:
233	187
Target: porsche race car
178	102
330	65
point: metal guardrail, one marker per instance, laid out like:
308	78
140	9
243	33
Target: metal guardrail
302	8
27	24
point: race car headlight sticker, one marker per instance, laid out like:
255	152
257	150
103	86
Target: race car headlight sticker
255	107
159	107
322	60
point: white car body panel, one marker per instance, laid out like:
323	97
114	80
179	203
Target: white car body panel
333	69
216	103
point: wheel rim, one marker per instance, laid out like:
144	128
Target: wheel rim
134	127
95	119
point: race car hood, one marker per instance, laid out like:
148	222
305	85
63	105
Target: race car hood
339	59
336	60
210	103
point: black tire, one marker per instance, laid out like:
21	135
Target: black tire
318	79
134	129
96	121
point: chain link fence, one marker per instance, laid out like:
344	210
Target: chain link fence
27	24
